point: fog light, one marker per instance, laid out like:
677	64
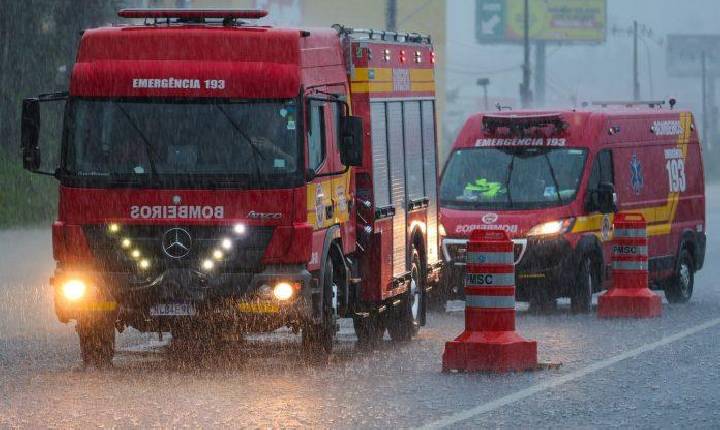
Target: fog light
239	228
135	253
217	254
113	228
144	264
226	244
283	291
126	243
208	264
74	289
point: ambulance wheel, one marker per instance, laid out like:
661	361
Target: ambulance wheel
542	302
581	298
369	330
405	320
97	342
680	287
317	339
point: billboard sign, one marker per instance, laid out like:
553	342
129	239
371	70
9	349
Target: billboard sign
684	54
550	20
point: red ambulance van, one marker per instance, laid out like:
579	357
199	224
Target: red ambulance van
555	180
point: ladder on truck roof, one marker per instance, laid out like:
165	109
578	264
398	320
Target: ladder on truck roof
381	35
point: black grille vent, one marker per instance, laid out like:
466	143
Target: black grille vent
245	254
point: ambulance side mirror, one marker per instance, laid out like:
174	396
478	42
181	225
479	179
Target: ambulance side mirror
30	134
603	199
351	140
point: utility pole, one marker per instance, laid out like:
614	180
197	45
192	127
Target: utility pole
484	82
391	15
636	81
525	96
539	76
703	77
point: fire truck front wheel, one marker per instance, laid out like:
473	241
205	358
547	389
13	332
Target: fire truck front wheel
405	320
317	338
97	341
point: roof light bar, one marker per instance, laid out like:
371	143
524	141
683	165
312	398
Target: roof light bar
193	13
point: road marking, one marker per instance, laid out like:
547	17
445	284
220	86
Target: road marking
555	382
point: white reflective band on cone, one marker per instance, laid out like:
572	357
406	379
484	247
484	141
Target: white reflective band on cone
490	302
637	250
490	279
630	232
490	258
629	265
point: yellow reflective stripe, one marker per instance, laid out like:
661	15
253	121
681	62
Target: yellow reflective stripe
422	86
417	75
659	218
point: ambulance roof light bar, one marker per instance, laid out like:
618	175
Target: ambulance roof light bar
515	121
649	103
193	15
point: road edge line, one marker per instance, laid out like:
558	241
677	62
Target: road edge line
449	420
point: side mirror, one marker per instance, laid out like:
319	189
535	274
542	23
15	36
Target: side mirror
351	141
603	199
30	134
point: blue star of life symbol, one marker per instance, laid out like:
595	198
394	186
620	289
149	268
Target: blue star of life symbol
637	176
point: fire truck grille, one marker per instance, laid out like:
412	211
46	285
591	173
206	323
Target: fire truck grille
144	248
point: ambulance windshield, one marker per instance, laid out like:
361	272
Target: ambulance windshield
512	178
169	140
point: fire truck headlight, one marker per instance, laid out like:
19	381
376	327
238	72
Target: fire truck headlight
113	228
226	244
283	291
208	264
74	289
552	228
239	228
442	231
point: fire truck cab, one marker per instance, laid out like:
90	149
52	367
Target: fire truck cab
555	180
222	177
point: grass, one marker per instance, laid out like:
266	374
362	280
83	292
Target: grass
26	199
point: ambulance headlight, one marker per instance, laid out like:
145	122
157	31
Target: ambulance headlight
74	289
552	228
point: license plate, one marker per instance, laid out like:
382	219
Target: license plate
172	309
259	308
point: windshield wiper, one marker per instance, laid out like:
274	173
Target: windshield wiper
255	150
554	178
507	180
149	150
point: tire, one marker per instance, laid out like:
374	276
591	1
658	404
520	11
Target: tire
97	342
438	297
585	281
317	339
405	320
369	331
541	302
680	288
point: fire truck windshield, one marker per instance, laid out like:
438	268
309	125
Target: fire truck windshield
183	142
512	178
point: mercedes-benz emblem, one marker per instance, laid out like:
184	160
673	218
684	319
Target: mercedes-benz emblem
176	243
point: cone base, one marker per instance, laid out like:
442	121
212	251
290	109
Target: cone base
490	351
629	303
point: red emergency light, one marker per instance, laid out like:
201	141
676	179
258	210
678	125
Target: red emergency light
193	13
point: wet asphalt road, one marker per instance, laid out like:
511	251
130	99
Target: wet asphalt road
264	383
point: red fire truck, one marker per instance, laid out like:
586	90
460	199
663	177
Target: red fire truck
222	177
554	181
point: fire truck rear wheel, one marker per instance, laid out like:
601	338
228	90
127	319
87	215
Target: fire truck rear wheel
97	342
405	320
680	288
581	295
317	339
369	330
